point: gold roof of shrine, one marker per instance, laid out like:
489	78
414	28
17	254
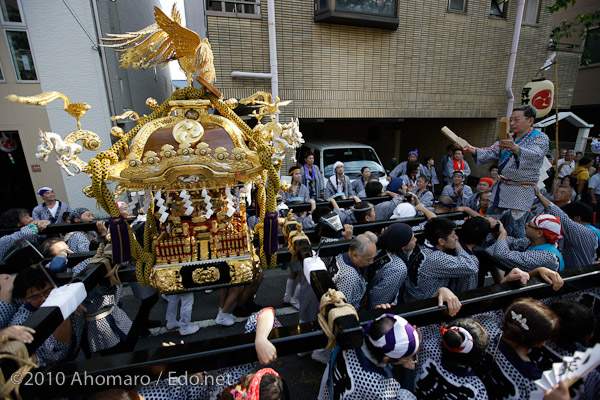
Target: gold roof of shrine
189	149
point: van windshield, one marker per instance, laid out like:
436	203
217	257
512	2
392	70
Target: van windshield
354	159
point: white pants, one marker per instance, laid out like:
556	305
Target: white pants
185	312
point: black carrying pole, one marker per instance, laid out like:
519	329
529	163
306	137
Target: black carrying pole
237	349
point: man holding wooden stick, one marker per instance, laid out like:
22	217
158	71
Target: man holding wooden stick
520	157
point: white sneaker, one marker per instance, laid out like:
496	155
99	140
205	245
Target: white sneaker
287	298
189	330
295	303
173	325
321	355
225	319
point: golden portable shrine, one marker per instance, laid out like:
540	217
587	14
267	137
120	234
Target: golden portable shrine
179	166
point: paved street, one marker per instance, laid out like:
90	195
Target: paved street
302	374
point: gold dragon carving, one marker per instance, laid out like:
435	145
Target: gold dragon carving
67	149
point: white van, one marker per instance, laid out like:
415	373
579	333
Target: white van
353	155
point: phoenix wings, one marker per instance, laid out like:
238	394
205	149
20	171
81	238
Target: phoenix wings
165	41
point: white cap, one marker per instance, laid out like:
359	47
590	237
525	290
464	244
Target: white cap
44	189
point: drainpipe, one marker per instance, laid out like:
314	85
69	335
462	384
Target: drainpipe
273	76
513	58
111	102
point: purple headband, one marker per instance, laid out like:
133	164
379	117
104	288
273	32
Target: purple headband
415	152
406	333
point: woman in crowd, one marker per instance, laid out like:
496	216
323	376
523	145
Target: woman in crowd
311	176
571	313
413	169
298	192
28	228
79	241
359	184
493	173
449	356
423	191
582	173
509	372
428	170
570	180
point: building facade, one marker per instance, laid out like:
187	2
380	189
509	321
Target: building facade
445	64
586	92
53	46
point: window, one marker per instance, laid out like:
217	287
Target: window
1	74
354	159
379	7
591	48
17	40
457	5
530	14
498	8
18	44
10	11
238	8
382	14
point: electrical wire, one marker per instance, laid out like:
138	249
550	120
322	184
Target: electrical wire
95	45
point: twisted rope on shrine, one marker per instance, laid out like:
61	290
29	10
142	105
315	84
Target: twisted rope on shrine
143	270
265	153
17	351
327	319
260	228
104	256
99	168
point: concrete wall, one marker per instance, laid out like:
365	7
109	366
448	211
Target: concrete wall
69	61
27	120
131	87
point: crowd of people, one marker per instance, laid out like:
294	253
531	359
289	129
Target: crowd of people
512	231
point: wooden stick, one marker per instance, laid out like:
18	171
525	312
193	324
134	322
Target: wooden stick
504	128
210	87
556	112
454	137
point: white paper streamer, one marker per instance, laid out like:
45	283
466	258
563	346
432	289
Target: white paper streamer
186	202
134	201
148	199
208	206
162	209
229	197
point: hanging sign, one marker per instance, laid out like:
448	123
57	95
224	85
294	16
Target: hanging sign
7	144
539	93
